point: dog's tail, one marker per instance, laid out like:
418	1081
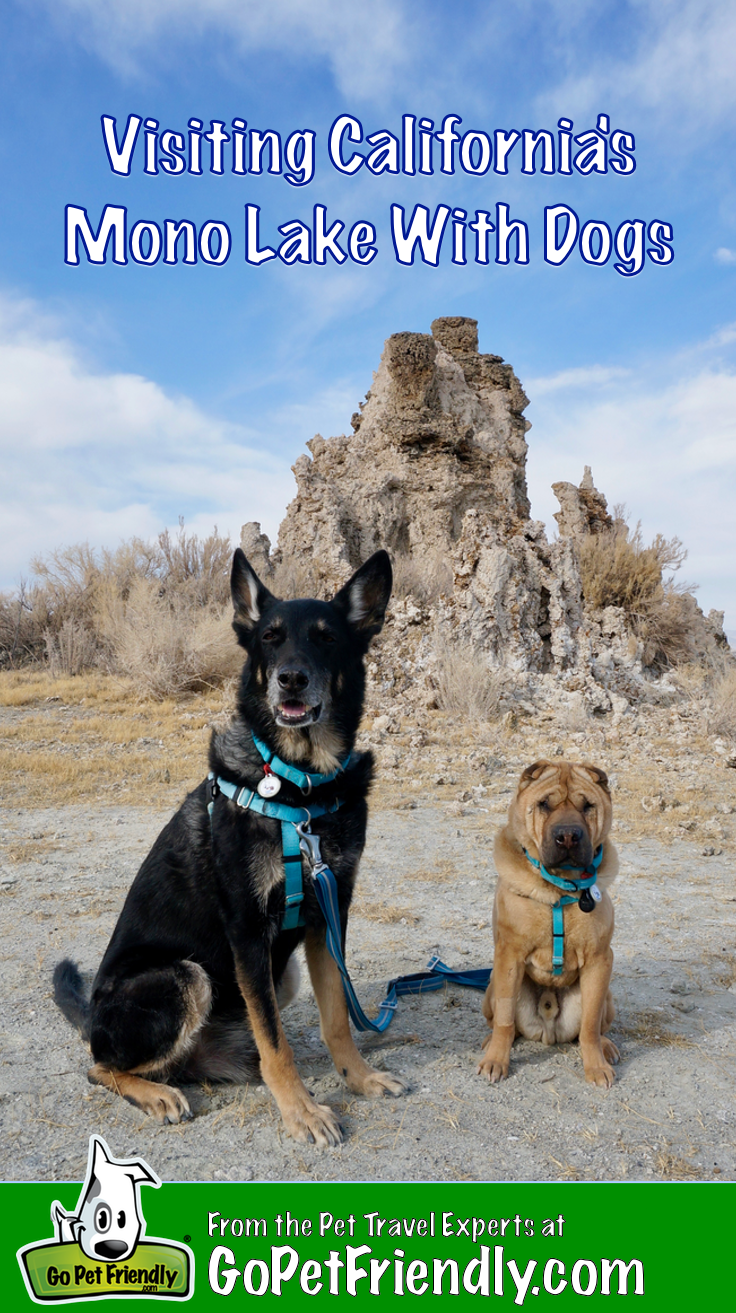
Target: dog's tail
70	996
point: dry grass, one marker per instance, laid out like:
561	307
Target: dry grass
652	1028
673	1167
293	579
424	577
465	685
722	717
28	850
382	914
93	738
710	693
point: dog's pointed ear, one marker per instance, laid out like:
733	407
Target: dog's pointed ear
532	773
599	775
250	597
99	1153
364	598
137	1170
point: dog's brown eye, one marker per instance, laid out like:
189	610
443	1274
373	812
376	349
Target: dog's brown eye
269	636
588	806
543	805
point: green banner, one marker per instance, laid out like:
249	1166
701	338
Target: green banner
58	1272
311	1244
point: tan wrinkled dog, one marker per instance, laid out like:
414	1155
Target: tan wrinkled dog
561	817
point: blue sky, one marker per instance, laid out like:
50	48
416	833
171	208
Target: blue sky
132	395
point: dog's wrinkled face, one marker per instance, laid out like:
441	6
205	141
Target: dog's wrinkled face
564	809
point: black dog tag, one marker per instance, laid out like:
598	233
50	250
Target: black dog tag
586	902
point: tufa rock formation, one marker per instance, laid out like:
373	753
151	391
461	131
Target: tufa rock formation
435	471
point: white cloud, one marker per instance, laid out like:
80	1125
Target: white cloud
363	43
101	456
567	379
678	62
725	256
722	337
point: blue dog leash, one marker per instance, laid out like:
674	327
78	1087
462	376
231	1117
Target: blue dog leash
577	893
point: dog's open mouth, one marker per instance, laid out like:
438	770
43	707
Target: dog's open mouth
297	714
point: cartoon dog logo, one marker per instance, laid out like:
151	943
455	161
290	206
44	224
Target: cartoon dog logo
108	1221
87	1258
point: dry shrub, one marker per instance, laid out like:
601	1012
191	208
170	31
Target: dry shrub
196	567
21	635
722	717
293	578
617	569
425	578
465	685
72	649
168	645
157	611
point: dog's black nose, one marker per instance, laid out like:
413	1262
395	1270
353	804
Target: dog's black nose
568	836
110	1248
293	680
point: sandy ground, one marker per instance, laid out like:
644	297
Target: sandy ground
426	885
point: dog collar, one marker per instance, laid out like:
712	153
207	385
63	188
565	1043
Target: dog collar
570	886
577	892
304	780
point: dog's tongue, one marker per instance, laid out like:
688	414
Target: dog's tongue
295	709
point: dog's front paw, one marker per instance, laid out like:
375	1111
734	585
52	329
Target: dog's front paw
165	1103
171	1107
600	1074
381	1084
494	1065
312	1123
610	1052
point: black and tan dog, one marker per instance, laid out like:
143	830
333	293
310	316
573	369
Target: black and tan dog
199	959
556	836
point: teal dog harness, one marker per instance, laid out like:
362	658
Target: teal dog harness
295	821
584	892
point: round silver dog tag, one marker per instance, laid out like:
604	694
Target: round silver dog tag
595	892
269	786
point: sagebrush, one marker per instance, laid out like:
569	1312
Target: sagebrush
618	569
159	612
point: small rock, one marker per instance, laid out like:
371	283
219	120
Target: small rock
680	987
652	803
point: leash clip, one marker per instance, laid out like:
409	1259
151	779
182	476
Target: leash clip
309	845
